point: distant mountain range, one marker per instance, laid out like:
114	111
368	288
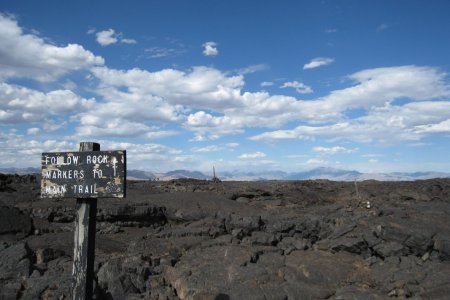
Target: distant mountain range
144	175
331	174
317	173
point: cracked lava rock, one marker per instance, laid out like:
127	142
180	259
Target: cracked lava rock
196	239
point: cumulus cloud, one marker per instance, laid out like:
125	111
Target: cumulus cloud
210	103
165	96
206	100
210	49
169	96
300	87
28	55
209	127
201	87
106	37
257	154
333	150
159	156
110	36
120	128
20	104
318	62
384	125
376	91
417	83
21	151
441	127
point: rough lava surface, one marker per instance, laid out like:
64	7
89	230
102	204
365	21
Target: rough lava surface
198	239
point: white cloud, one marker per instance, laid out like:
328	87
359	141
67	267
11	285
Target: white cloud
257	154
110	36
384	120
232	145
207	149
21	151
210	49
317	62
295	156
69	85
93	125
276	135
417	83
316	161
300	87
33	131
200	87
110	127
27	55
333	150
205	100
215	148
53	125
372	155
420	144
106	37
126	118
266	83
440	127
160	134
253	69
211	104
160	157
382	125
128	41
198	138
209	127
165	96
20	104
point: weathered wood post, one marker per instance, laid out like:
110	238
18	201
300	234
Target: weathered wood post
85	175
84	241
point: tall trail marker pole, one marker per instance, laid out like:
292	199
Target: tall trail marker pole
84	175
84	241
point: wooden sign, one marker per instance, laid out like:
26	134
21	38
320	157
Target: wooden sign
94	174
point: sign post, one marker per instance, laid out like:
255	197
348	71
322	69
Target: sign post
84	241
85	175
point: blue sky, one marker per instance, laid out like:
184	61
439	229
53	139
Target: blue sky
248	85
